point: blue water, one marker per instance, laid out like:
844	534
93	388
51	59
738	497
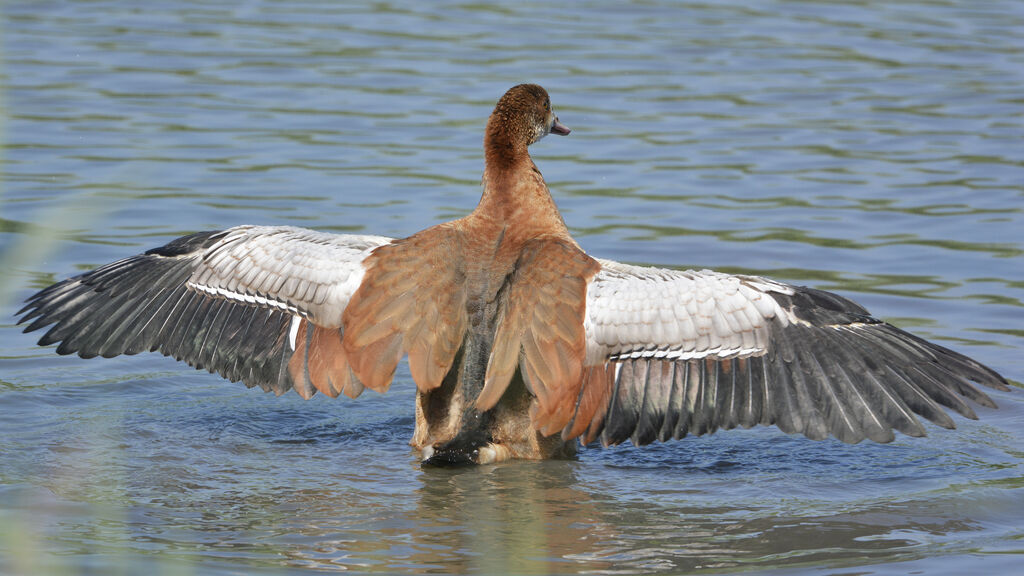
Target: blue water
871	148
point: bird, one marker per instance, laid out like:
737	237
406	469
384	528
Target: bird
520	344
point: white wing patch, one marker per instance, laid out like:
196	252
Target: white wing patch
293	331
644	312
244	298
306	273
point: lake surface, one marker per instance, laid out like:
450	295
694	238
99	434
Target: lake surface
874	148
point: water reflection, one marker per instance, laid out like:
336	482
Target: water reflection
522	518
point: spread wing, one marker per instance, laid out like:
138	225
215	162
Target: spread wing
258	304
671	353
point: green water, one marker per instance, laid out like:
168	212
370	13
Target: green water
871	148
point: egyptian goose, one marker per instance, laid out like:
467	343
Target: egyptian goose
519	342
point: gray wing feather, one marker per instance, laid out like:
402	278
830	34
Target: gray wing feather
700	350
226	301
305	272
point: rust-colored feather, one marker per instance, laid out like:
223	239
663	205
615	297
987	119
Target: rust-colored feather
540	328
319	363
411	300
375	363
592	403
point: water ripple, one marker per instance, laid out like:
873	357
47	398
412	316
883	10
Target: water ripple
865	147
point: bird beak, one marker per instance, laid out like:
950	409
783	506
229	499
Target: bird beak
559	128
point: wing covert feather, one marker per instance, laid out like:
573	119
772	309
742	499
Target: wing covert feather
305	272
243	302
671	353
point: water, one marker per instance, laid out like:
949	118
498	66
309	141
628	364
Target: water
870	148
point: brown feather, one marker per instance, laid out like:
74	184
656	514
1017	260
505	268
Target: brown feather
594	396
374	365
411	300
323	360
543	319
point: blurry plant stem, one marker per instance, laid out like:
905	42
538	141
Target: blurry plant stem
39	241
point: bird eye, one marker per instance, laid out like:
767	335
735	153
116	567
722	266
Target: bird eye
547	105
